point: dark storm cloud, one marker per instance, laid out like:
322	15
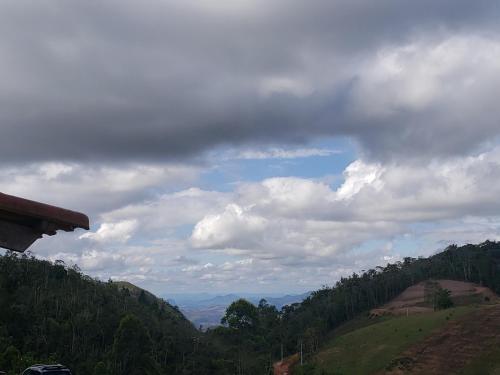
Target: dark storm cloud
168	79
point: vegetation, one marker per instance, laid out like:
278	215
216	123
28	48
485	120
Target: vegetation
241	315
442	299
487	363
370	349
310	323
51	312
436	296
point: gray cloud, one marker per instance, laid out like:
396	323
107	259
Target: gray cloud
93	188
168	80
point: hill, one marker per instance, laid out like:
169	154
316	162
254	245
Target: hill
147	298
424	342
328	308
460	340
54	313
461	346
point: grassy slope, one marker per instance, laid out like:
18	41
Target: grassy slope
488	363
371	348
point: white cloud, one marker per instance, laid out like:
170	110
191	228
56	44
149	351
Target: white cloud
287	196
234	225
171	210
119	232
283	217
357	176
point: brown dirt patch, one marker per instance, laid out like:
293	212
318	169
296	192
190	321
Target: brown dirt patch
450	349
412	300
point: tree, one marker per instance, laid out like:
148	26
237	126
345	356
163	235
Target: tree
11	359
101	369
132	348
142	298
241	315
442	299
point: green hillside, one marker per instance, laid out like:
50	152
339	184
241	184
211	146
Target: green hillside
372	348
52	313
486	363
462	340
147	298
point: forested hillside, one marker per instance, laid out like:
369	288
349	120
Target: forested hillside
52	313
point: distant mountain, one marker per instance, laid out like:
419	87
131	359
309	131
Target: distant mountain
219	300
204	317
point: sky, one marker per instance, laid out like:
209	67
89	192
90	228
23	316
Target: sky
248	145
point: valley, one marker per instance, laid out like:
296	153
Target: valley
208	312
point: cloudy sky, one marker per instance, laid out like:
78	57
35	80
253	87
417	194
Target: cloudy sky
251	145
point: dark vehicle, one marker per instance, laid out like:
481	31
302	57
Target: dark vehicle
47	370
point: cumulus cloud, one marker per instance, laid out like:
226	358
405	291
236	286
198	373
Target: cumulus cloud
170	210
299	217
105	263
357	176
113	232
233	225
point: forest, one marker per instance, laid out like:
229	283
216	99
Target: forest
54	313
